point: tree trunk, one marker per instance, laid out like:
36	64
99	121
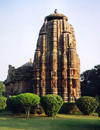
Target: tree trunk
27	112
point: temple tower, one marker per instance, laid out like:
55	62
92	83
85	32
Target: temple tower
56	66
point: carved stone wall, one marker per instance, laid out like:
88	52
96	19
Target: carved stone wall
56	63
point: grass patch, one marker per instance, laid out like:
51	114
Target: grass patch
41	122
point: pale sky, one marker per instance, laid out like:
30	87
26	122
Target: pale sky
21	20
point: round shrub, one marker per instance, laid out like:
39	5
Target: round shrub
13	105
2	103
9	103
98	109
27	101
51	104
87	105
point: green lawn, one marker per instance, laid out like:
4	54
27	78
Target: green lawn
61	122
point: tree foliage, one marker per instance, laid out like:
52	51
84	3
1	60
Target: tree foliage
2	88
90	82
98	109
27	101
87	105
51	104
3	103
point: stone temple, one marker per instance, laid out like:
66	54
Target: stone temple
56	65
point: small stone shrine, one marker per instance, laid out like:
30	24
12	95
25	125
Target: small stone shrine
56	65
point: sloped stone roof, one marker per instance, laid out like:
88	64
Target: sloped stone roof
24	72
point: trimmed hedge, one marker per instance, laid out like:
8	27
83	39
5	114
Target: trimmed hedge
98	109
2	103
87	105
69	108
51	104
13	105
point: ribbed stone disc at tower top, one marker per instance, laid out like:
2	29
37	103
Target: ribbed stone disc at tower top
55	15
56	68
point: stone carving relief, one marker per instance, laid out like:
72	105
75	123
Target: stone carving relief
53	83
53	74
74	92
42	83
11	73
43	74
64	74
64	83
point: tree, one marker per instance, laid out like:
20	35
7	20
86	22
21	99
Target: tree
90	82
2	88
27	101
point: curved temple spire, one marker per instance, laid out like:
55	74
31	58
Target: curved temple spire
57	65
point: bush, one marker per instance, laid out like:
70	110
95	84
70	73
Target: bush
87	105
2	103
98	109
69	108
51	104
13	105
2	89
27	101
9	103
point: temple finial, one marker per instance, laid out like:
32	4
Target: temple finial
56	11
